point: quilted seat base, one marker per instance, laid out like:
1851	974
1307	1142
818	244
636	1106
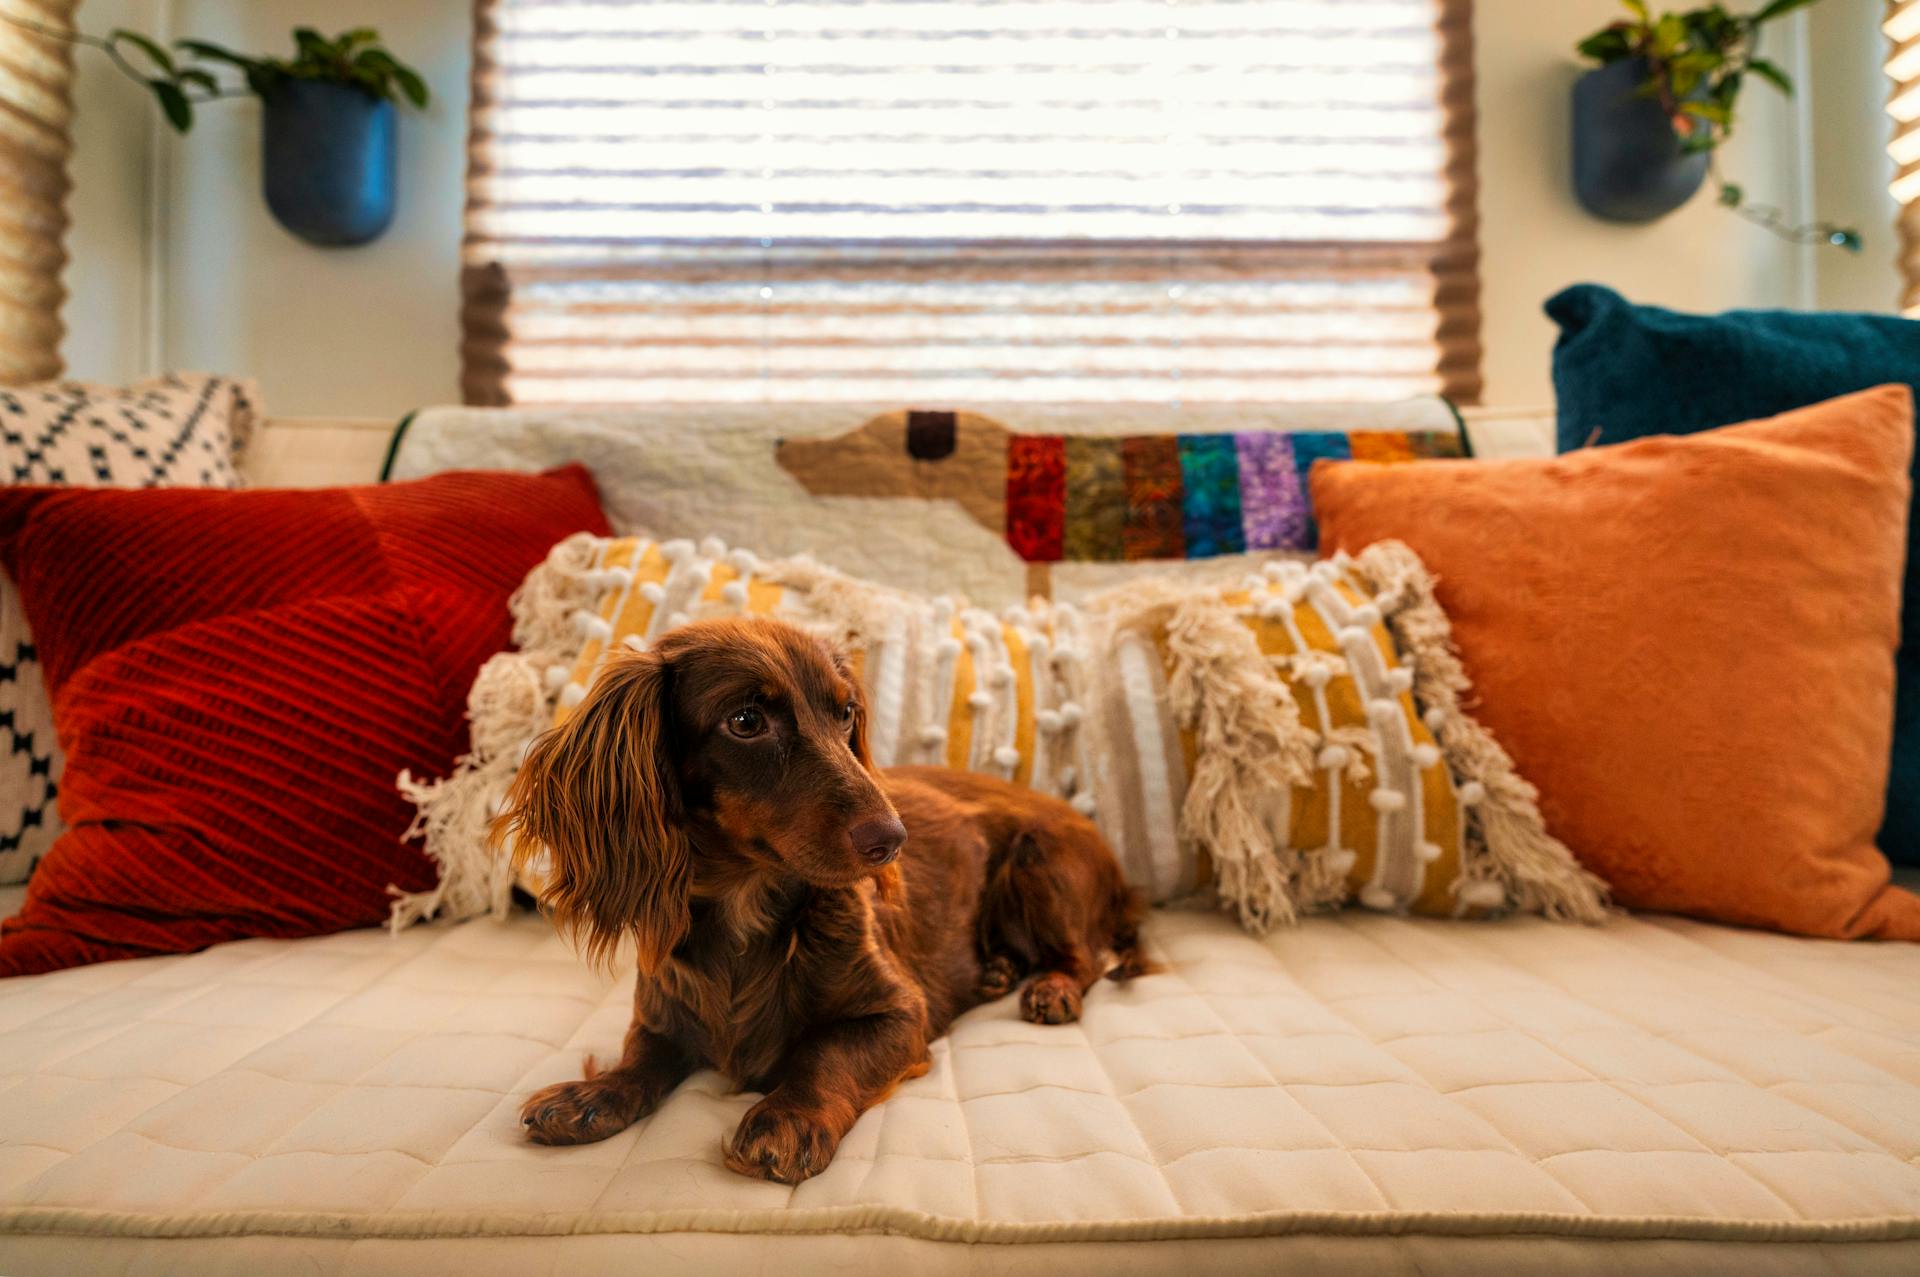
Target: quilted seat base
1363	1090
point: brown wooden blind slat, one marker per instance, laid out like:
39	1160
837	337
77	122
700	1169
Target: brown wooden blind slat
971	199
36	75
1903	104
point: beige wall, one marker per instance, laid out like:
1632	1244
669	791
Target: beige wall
334	332
110	249
1535	239
1851	168
373	330
350	332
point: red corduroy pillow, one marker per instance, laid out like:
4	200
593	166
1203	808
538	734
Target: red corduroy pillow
238	677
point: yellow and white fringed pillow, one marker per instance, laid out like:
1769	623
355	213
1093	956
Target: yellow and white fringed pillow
1282	746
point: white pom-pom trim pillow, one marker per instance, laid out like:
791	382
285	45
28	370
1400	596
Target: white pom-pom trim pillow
1283	746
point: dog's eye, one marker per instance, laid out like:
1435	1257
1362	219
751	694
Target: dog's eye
846	713
747	723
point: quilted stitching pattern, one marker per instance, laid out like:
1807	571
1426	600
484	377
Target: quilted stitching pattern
1358	1074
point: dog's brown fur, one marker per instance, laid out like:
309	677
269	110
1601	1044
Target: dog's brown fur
769	947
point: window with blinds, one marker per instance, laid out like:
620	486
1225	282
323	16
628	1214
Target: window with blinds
1903	29
966	200
35	101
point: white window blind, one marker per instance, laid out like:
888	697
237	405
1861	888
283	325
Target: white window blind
1903	30
35	107
964	200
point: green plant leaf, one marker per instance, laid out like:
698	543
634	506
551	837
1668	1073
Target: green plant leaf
155	53
373	70
412	85
1712	112
1845	238
173	102
384	71
1639	8
1726	91
199	79
1778	9
313	46
1607	45
1714	26
347	41
1731	194
1772	74
1668	35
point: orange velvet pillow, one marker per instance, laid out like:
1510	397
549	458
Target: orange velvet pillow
1687	644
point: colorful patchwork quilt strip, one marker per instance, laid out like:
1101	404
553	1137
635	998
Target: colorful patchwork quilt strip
1091	498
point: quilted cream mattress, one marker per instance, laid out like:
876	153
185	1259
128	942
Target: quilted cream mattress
1363	1092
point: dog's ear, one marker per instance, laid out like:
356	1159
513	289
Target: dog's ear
599	794
858	738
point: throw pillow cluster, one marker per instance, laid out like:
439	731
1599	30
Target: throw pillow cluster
1289	743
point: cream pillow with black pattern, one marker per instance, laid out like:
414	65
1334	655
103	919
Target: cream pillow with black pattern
184	430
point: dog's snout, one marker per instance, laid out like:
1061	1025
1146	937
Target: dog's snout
878	840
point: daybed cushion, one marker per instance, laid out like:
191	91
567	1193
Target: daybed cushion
1361	1089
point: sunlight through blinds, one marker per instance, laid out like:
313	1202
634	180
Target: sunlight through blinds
1903	29
967	200
35	110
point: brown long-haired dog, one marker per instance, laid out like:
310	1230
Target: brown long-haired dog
804	922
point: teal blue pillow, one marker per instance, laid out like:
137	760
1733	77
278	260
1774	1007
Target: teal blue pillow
1621	371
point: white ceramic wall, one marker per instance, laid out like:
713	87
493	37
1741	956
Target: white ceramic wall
373	330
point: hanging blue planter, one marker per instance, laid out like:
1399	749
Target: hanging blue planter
328	161
1628	164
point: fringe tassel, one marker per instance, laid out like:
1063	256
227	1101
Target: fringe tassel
842	609
1250	743
1507	840
511	703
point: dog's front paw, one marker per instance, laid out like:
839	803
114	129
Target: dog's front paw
998	975
777	1142
581	1112
1051	997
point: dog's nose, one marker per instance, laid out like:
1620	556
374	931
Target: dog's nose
878	840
